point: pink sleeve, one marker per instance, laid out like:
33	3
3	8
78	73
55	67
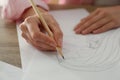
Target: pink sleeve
14	8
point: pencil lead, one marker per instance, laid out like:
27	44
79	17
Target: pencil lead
63	57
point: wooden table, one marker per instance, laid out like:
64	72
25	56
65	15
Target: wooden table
9	48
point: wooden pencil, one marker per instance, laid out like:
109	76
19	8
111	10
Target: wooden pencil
59	50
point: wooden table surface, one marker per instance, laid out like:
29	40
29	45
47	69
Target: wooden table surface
9	47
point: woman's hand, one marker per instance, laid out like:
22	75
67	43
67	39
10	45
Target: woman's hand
101	20
34	33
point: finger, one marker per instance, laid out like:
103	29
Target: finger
24	31
38	45
54	27
28	37
23	27
58	35
25	36
47	40
91	15
32	25
39	48
86	19
44	49
106	27
45	46
36	34
97	25
93	20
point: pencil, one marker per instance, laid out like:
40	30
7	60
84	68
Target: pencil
59	50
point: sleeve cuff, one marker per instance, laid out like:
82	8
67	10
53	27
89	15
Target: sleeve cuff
14	9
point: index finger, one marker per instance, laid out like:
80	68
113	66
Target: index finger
57	32
84	20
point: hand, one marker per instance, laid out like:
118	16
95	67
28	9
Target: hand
33	32
101	20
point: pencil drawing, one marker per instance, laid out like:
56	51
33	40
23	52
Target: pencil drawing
101	52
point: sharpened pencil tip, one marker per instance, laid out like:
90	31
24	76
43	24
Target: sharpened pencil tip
63	57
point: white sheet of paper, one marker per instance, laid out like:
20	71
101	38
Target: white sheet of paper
9	72
39	65
27	51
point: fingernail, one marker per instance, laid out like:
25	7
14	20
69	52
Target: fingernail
75	28
94	32
84	32
77	31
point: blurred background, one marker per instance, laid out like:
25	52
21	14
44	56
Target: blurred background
51	2
96	2
2	2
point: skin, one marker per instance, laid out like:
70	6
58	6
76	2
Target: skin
101	20
33	31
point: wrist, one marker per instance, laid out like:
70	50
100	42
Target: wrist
30	12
